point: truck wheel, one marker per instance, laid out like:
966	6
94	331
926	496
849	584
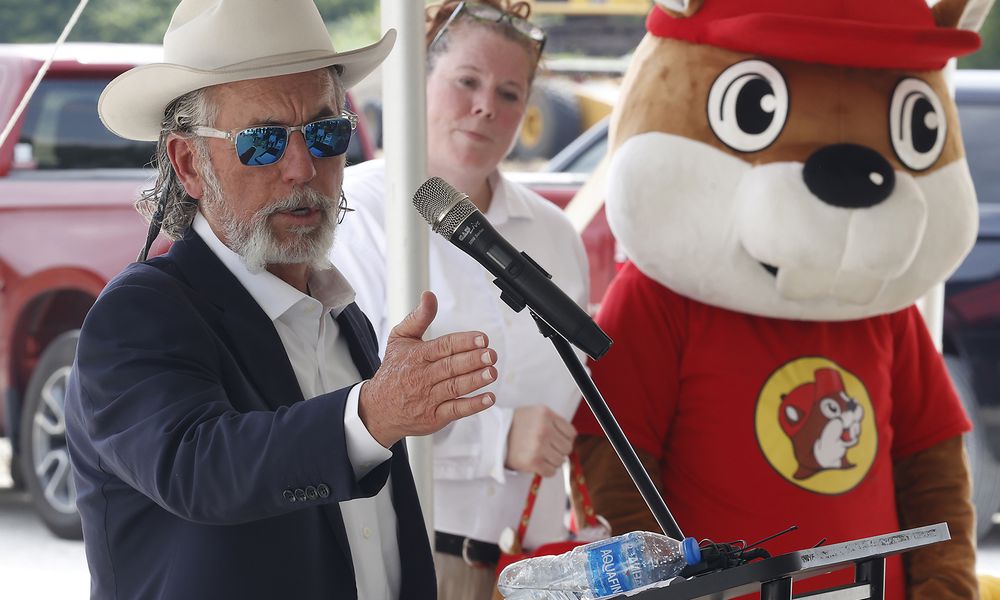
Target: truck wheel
44	455
551	121
985	467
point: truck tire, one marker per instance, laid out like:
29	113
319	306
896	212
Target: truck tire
44	455
985	467
551	121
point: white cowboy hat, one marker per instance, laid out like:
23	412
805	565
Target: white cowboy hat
210	42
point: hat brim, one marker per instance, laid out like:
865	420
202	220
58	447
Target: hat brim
132	105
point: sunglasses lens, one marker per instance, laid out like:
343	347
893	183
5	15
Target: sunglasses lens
261	145
328	137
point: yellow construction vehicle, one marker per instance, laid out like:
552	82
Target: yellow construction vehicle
587	40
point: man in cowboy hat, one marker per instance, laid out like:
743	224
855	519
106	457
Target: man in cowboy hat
222	444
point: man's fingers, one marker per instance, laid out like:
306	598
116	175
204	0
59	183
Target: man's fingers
460	364
452	410
454	343
456	387
416	323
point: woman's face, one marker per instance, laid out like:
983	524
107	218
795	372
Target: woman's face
476	96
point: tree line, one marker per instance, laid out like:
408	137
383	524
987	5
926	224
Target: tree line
144	21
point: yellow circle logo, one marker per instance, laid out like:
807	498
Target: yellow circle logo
815	425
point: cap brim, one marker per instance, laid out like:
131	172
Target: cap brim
132	105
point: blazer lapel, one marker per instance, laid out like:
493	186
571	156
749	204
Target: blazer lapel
253	338
360	338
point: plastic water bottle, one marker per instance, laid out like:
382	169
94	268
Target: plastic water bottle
605	568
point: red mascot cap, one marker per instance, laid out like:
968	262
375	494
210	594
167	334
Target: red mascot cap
897	34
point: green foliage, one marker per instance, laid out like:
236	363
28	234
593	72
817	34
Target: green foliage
352	23
988	57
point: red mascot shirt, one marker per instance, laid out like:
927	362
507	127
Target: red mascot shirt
761	423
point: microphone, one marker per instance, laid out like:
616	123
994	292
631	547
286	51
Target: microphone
521	280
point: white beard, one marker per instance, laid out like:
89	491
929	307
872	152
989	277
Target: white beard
254	240
704	222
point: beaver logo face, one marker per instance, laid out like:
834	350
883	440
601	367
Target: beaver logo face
822	422
815	425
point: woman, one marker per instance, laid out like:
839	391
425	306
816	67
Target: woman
481	59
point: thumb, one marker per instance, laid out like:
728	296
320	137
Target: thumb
416	323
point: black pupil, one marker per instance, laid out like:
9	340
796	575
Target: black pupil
750	116
923	136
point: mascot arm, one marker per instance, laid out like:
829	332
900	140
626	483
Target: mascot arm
934	486
612	491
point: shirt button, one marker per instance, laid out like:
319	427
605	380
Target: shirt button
289	495
300	494
311	492
323	490
365	531
490	490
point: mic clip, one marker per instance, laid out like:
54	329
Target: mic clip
510	296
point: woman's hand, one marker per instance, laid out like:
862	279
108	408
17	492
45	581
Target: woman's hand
539	440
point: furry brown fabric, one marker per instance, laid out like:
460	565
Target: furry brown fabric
934	486
611	489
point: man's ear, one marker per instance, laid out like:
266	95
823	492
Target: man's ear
183	156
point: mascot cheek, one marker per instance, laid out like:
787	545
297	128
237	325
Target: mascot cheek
669	204
952	226
823	251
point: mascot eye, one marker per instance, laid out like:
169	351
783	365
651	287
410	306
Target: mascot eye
829	408
748	105
917	124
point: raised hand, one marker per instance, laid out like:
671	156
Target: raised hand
421	385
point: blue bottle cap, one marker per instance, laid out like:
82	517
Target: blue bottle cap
692	553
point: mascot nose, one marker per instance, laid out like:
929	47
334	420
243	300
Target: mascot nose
849	176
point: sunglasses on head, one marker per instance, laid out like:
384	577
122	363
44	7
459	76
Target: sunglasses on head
492	14
265	144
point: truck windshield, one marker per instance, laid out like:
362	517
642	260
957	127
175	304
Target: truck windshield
62	131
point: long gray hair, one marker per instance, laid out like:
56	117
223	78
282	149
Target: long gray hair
167	204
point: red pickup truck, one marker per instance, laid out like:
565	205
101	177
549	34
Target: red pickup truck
67	225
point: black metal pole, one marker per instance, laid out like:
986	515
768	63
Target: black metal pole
613	430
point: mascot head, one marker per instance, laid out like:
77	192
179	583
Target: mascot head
795	159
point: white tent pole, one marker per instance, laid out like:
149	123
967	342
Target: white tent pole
404	135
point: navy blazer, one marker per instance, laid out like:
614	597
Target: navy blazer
200	470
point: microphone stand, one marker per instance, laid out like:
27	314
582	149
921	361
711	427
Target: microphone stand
610	426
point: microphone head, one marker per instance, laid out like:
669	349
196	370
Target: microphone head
442	206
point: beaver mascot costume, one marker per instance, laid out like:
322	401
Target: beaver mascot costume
787	178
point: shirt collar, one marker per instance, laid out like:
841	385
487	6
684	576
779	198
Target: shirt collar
273	295
506	202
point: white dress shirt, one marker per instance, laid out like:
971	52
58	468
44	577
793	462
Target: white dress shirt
322	363
474	495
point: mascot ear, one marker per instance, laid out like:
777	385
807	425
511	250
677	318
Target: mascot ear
680	8
961	14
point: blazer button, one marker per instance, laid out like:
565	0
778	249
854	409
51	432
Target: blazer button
311	492
289	495
300	494
323	490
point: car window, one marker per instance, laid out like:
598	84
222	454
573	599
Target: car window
980	131
62	131
587	160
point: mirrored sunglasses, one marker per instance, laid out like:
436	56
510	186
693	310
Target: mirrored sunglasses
492	14
263	145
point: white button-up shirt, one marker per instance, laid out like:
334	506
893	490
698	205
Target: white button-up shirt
322	363
474	495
